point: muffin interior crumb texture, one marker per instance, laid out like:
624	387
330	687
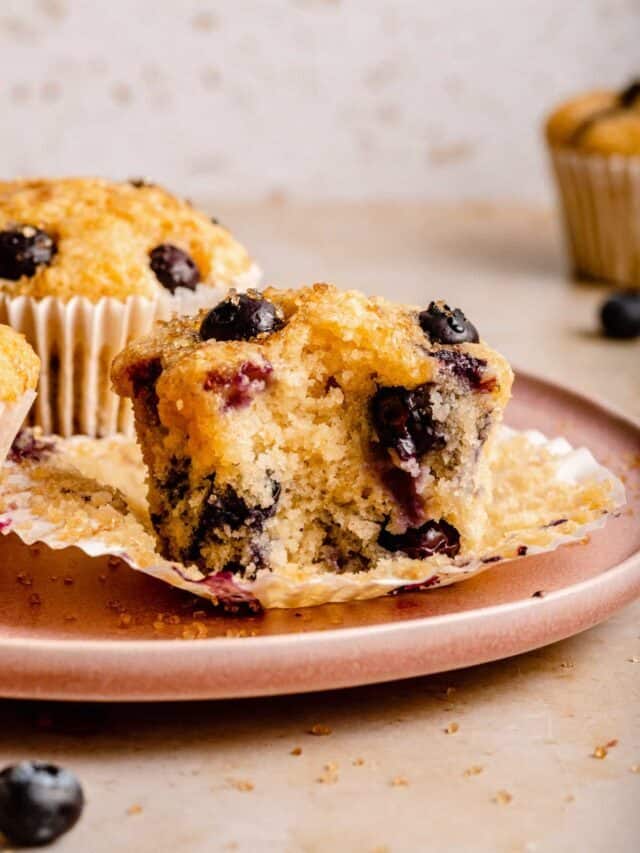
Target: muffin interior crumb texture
316	429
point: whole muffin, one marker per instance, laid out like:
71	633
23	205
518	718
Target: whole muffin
86	265
594	142
19	369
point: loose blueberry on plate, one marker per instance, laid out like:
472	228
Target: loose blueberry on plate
445	325
173	267
23	249
38	802
239	318
620	315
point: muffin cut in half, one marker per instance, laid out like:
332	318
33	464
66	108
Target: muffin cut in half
315	428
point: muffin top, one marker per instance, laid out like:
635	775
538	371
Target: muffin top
19	365
599	122
95	238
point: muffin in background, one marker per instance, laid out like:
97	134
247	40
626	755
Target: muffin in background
19	369
86	265
594	142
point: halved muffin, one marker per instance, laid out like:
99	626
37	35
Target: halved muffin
315	428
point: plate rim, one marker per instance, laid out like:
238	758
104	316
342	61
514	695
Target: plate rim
27	662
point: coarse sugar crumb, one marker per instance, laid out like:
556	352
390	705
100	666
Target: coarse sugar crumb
297	750
451	729
319	730
399	782
329	775
358	762
35	600
136	808
195	631
634	659
25	579
241	784
601	751
474	770
503	798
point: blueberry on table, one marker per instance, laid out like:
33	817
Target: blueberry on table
445	325
173	267
620	315
23	249
38	802
240	317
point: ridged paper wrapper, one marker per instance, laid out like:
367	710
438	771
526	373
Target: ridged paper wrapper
90	493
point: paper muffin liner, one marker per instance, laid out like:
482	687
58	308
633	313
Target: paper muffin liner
12	416
600	202
90	494
77	341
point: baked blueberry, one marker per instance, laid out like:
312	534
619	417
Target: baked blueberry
445	325
173	267
38	802
630	95
620	315
418	543
403	420
240	317
23	249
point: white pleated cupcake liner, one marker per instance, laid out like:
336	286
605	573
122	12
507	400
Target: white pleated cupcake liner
77	341
600	202
12	416
270	589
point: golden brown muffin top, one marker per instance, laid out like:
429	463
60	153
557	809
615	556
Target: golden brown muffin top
598	122
358	336
95	238
19	365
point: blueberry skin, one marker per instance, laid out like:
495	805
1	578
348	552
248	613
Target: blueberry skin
173	267
445	325
239	318
38	802
23	249
620	315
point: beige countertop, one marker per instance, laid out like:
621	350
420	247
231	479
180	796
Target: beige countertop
518	775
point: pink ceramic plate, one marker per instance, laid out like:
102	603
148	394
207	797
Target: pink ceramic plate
76	628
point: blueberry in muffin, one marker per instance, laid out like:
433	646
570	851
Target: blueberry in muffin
315	428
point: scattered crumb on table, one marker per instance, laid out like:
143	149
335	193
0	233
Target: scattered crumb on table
319	730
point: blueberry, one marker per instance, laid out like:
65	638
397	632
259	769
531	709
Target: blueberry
240	317
403	420
418	543
446	325
38	802
629	95
620	315
23	249
467	368
173	267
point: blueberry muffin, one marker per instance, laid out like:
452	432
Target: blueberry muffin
594	142
315	428
19	369
86	265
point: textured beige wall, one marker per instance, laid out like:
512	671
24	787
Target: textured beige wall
342	98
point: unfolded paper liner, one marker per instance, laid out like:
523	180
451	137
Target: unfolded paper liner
104	480
77	341
12	416
600	200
